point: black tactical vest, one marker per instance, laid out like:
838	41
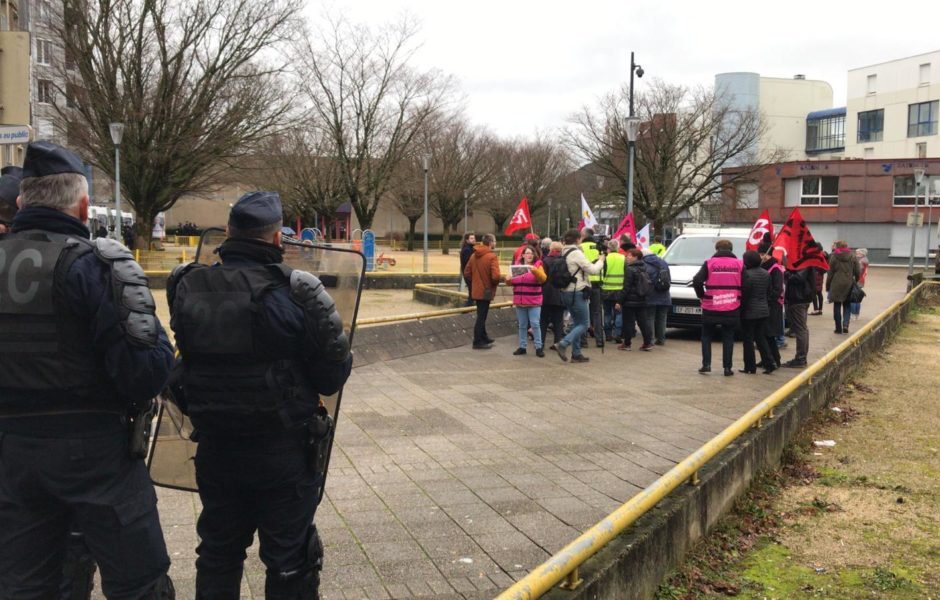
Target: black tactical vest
233	383
47	363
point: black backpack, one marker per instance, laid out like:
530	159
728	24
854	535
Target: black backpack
558	274
663	280
644	286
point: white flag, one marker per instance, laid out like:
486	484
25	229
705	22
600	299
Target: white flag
643	238
586	215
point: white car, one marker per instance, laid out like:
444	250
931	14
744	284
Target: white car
685	257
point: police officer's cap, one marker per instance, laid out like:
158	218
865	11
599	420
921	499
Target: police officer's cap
256	209
45	158
10	184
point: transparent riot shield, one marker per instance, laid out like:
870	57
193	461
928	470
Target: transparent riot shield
171	459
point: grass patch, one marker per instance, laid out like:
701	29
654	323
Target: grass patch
861	520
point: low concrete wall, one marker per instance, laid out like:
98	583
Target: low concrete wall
379	280
634	564
407	338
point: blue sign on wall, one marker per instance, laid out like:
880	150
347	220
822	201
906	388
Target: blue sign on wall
368	248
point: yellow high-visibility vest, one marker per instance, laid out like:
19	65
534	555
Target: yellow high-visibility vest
612	279
591	253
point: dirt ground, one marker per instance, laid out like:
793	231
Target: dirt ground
857	520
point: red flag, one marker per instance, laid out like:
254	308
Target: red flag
520	219
798	244
626	226
761	226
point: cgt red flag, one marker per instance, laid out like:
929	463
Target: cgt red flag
761	226
626	226
520	219
798	243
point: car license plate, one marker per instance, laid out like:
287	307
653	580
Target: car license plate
687	310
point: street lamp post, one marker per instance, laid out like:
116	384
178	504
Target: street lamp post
918	178
117	133
424	163
929	220
633	125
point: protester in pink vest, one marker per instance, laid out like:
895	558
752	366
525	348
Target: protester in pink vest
718	286
527	299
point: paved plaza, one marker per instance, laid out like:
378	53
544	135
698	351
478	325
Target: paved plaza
456	472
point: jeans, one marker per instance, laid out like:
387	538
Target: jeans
610	318
656	315
479	328
796	315
577	306
754	333
637	315
555	315
529	316
727	343
841	314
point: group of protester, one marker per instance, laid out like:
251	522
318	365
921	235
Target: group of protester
612	289
754	293
606	288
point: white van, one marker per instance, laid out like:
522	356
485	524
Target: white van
105	216
685	256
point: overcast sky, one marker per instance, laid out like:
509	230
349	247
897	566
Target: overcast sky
526	65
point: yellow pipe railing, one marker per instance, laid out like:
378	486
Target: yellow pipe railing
426	315
564	564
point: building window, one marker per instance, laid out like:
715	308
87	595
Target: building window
872	83
45	91
906	190
924	74
44	11
746	195
871	124
825	133
812	191
43	52
922	119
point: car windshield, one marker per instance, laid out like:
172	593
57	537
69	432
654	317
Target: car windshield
696	250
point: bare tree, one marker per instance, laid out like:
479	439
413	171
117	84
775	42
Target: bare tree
361	90
407	190
302	168
534	169
185	77
687	136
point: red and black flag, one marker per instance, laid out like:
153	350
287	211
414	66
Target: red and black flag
797	242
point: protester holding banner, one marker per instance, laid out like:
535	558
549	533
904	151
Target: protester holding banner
844	271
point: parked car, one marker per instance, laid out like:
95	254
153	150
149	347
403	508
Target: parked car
685	256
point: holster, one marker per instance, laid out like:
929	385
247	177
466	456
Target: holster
319	435
139	426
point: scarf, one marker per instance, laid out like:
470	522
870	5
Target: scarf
49	219
242	250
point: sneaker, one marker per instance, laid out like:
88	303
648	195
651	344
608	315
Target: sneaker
579	359
646	347
482	346
553	347
624	346
705	369
540	353
519	352
562	352
795	364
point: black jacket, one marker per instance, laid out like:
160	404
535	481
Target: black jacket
551	296
631	274
465	253
800	286
755	291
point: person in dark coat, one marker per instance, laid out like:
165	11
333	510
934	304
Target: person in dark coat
773	328
844	270
466	251
658	303
83	372
799	287
259	345
755	309
820	282
633	304
553	308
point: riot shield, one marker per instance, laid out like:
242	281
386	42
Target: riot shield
171	459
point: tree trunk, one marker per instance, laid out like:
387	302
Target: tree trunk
446	239
412	222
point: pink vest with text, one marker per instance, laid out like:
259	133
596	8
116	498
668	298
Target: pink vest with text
723	285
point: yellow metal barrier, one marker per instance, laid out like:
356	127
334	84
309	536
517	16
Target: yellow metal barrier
426	315
564	564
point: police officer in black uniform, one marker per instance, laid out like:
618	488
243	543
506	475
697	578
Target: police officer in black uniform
82	356
259	342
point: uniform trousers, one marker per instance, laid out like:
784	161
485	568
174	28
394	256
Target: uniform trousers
249	484
49	484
